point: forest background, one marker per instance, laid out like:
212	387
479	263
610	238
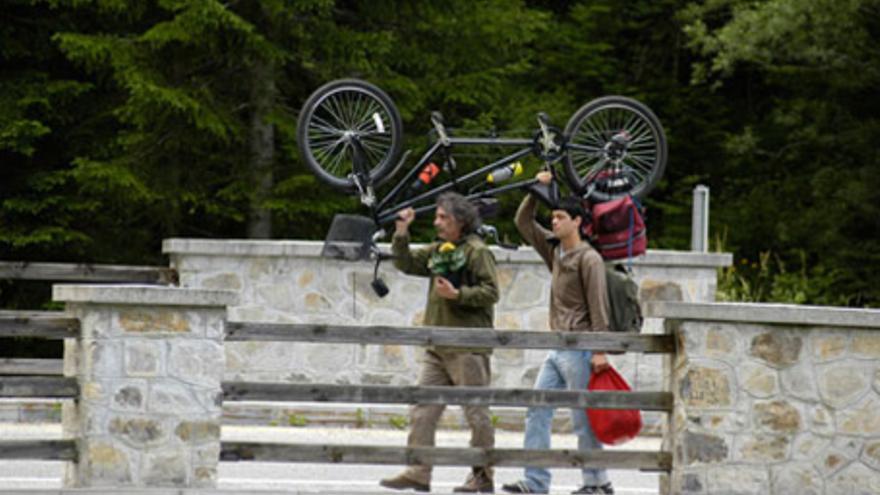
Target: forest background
125	122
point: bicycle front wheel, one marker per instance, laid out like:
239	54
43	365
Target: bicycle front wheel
616	146
336	114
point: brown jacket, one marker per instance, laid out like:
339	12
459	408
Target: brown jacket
578	292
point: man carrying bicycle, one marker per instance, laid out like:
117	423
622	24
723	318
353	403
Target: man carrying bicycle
462	293
578	303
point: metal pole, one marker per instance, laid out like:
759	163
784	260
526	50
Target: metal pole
700	220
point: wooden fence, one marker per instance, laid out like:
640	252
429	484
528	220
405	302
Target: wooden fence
86	272
54	325
41	378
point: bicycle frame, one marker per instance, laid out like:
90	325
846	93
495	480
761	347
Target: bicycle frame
384	212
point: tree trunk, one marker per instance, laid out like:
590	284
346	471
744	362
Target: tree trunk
262	147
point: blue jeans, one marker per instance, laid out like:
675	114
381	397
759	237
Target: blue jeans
568	370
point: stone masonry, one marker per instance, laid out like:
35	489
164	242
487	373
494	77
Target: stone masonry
288	282
149	362
774	399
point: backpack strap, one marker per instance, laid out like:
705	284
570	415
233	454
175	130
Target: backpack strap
637	206
629	237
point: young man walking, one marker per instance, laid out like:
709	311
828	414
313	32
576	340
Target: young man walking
578	303
462	293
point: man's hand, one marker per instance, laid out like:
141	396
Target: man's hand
445	289
404	218
544	177
599	362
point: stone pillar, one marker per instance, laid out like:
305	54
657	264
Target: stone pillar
773	398
149	362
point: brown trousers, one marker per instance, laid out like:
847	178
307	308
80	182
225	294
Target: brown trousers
450	368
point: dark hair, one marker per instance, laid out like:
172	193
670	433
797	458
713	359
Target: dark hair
465	212
574	206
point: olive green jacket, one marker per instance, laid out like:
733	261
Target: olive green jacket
478	292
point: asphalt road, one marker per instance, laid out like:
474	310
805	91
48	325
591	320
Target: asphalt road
315	478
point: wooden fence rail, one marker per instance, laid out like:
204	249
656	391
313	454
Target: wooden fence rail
474	396
38	367
85	272
445	336
58	325
49	450
364	454
43	324
52	387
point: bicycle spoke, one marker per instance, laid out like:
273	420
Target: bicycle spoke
378	143
367	117
596	135
336	162
374	152
585	170
642	133
328	144
634	118
324	125
351	103
647	166
355	111
335	111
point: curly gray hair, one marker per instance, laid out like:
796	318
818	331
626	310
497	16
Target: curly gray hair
464	212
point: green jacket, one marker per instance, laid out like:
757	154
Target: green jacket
478	292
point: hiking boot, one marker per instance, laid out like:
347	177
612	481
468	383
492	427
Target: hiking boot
518	487
401	482
476	484
605	489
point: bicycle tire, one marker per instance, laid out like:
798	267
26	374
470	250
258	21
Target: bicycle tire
334	111
617	137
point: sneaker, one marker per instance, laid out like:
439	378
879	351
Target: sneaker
401	482
518	487
476	484
605	489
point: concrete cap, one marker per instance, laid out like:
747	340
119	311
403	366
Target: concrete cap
525	254
783	314
143	295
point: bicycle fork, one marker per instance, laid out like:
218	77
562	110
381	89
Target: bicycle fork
361	174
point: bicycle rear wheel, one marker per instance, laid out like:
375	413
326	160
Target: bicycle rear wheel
336	113
616	146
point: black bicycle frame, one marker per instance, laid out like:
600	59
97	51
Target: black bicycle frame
383	213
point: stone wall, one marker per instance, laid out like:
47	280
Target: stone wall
149	364
288	281
774	399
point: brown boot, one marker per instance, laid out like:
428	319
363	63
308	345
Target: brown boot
476	482
401	482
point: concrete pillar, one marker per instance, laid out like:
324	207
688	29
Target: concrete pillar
149	362
700	220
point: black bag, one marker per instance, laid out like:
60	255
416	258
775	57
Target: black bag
625	314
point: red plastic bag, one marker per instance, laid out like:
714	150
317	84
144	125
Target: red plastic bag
613	426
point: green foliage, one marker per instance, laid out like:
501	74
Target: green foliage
797	165
124	122
360	419
398	422
297	420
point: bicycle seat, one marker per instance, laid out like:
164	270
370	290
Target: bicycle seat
546	193
350	238
488	207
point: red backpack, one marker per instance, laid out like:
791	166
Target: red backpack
618	229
